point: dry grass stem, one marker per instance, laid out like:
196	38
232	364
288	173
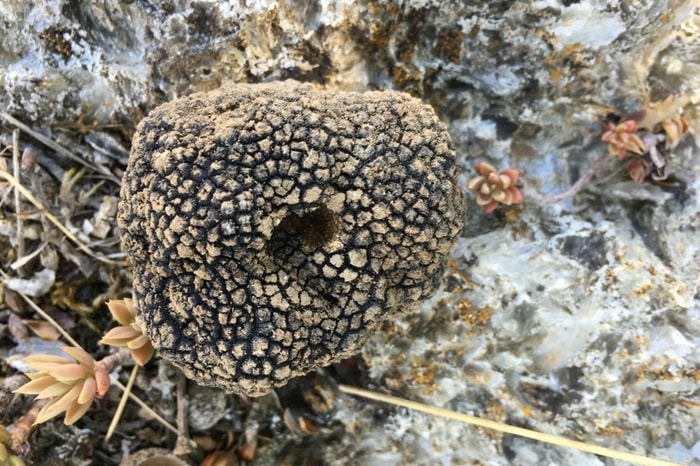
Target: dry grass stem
505	428
157	417
114	382
249	441
43	314
24	259
183	445
30	197
57	147
122	401
18	200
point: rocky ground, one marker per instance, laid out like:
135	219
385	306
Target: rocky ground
578	318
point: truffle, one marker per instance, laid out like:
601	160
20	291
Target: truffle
273	227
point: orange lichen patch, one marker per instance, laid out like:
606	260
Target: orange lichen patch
381	32
393	331
555	75
664	374
480	379
400	74
666	17
449	45
379	8
394	379
405	77
55	41
565	62
647	373
642	289
430	389
577	54
464	309
496	411
611	431
380	35
423	375
474	317
452	264
682	374
512	215
405	54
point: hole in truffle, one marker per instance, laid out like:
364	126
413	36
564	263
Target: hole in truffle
314	228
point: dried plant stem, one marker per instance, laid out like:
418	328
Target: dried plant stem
122	402
55	146
574	189
118	359
44	315
145	407
505	428
183	444
21	261
30	197
249	440
23	425
18	200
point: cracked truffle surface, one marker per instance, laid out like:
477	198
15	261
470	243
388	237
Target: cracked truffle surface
273	227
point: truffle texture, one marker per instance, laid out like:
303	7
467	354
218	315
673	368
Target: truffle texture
273	227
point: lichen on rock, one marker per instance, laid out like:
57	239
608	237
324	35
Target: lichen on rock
273	227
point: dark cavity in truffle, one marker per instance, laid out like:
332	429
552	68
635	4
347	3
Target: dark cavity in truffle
312	229
273	227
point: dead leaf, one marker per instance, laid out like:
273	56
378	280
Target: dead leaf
43	329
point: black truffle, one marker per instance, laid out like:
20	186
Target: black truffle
273	227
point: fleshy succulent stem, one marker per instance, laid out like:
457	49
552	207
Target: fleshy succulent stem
20	430
574	189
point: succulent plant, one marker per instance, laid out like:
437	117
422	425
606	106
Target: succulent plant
495	188
71	384
129	333
622	138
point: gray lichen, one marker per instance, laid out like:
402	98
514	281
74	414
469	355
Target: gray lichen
272	227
